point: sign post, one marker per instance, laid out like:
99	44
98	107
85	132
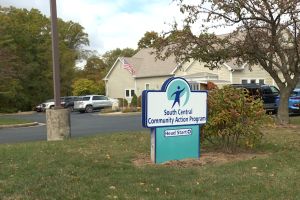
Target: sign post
174	114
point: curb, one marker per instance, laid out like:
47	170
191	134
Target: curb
18	113
19	125
119	113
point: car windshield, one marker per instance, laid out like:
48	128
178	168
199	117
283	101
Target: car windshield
274	89
295	93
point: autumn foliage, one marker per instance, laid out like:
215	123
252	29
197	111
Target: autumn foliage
234	119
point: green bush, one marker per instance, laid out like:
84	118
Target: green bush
134	101
234	119
139	101
123	102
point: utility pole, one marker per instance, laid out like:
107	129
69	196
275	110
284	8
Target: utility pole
55	54
57	119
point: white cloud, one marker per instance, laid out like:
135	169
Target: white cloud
117	23
110	24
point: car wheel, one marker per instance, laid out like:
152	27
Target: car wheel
89	109
51	107
71	108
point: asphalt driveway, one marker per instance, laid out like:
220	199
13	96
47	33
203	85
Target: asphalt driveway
81	125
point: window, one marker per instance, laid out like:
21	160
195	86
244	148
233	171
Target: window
147	86
252	81
85	98
103	98
261	81
129	93
267	90
274	90
96	97
132	93
244	81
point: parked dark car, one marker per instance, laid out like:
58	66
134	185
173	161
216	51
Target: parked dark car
267	93
69	102
294	101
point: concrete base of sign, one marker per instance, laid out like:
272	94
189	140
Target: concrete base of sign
58	124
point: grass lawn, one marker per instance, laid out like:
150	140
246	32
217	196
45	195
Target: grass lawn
101	167
10	121
295	119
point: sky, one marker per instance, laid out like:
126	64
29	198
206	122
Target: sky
110	24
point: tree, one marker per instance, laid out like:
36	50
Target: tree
134	101
86	87
95	69
25	56
148	40
267	33
111	56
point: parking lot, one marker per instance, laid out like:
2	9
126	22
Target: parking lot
81	125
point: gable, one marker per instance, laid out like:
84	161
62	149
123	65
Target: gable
119	63
195	67
118	81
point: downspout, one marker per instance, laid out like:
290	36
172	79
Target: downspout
106	88
231	77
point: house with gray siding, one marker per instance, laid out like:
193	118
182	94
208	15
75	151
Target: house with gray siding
132	75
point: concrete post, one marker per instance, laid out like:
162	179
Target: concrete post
58	124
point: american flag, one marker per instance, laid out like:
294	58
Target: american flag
127	66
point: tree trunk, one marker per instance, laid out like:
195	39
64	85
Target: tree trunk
283	109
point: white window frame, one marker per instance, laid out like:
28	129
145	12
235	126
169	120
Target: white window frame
146	86
129	89
249	80
244	80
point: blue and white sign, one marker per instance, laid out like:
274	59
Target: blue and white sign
175	115
174	105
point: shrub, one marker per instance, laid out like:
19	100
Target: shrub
211	85
133	101
234	119
131	109
139	101
123	102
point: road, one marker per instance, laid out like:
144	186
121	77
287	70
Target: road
81	125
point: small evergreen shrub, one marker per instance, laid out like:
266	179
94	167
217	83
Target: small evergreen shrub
134	101
123	102
234	119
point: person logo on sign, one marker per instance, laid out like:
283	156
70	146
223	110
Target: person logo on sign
177	96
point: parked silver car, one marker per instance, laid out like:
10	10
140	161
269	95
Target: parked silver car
89	103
